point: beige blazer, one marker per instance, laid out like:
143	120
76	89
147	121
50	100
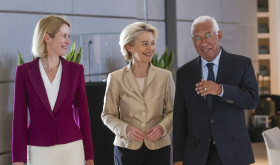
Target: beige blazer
125	105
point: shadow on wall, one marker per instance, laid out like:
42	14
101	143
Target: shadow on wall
7	69
114	61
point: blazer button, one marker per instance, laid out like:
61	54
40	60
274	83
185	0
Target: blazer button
212	121
142	125
229	101
143	113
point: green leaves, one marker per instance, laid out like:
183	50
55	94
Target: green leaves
77	57
20	59
165	60
71	56
155	59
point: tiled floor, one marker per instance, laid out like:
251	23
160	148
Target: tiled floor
260	153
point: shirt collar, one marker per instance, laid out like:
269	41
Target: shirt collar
215	61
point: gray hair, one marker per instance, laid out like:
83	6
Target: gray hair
204	19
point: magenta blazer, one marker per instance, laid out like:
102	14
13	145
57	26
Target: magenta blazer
69	121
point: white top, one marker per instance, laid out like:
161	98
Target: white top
141	83
52	88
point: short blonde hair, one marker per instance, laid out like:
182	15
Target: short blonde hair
129	34
49	25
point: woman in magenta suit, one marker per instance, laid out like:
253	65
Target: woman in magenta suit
51	123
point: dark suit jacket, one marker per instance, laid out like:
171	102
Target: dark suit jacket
194	123
69	120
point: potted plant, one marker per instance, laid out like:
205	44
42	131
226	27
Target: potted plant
165	60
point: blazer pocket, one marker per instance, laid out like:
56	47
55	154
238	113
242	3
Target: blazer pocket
240	135
190	143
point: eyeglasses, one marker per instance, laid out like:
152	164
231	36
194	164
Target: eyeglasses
207	37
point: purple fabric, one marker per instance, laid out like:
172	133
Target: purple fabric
47	127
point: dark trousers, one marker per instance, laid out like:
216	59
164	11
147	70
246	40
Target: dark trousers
142	156
213	156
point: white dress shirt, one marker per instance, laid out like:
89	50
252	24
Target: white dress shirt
204	69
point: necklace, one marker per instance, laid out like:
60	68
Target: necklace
137	74
140	74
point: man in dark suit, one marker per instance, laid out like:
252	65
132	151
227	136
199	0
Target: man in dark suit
212	92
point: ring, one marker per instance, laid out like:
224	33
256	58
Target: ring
205	89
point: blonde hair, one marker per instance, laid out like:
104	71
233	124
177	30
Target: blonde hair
204	19
49	25
129	34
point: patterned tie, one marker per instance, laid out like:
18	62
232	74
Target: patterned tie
211	77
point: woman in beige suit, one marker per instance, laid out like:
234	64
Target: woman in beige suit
138	104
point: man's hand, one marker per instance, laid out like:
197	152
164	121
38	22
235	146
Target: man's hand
89	162
204	88
178	163
155	132
134	133
18	163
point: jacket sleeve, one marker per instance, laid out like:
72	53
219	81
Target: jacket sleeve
110	111
166	123
179	121
19	130
81	105
246	95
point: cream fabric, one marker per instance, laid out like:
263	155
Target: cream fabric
68	154
141	83
141	109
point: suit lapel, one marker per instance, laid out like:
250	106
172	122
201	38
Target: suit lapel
196	70
150	76
38	85
65	83
132	81
197	76
224	66
223	72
